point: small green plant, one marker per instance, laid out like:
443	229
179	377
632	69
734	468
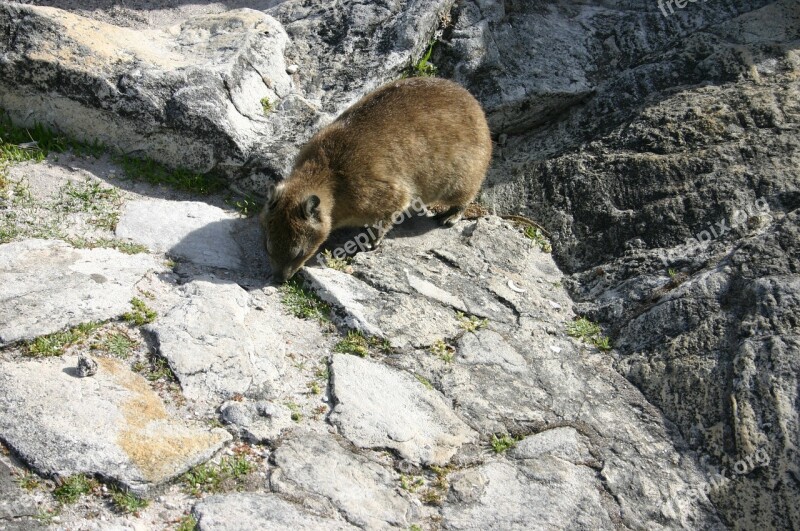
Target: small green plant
423	67
415	527
118	343
354	343
424	381
339	264
108	243
411	483
537	236
127	503
57	343
229	474
72	488
314	388
296	415
187	523
502	443
140	314
266	105
588	332
303	303
247	205
443	351
152	172
202	478
91	197
672	272
438	486
46	516
28	481
154	369
470	323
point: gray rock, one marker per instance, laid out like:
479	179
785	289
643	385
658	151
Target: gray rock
550	494
86	366
565	443
193	93
197	232
362	491
243	511
681	139
17	508
219	344
46	286
259	422
381	407
112	425
486	347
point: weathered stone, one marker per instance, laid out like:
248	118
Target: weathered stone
197	232
565	443
86	366
259	422
112	425
219	344
258	511
486	347
381	407
550	494
17	508
46	286
362	491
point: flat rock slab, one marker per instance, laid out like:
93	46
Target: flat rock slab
194	231
112	424
47	285
220	342
381	407
553	494
364	492
17	507
267	512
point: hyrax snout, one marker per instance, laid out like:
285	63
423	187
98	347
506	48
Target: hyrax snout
422	140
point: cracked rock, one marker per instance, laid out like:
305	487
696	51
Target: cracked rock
381	407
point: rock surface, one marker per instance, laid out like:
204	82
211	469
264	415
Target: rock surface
46	286
675	214
190	230
112	425
259	511
379	407
17	508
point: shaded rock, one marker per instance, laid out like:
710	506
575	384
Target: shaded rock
243	511
381	407
550	494
46	286
197	232
86	366
362	491
112	425
257	421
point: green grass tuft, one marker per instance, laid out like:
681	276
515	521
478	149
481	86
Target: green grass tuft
353	343
187	523
266	105
471	323
57	343
536	235
73	487
140	314
152	172
209	478
503	443
443	351
588	332
423	67
303	303
128	503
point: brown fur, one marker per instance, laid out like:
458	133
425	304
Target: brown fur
419	138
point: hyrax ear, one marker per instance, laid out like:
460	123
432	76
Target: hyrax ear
274	192
311	208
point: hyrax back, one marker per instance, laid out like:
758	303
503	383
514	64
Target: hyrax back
419	139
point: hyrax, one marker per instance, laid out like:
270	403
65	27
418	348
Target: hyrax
423	139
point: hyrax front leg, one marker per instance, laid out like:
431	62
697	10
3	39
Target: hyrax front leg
452	215
378	230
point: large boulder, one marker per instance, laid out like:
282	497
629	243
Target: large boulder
671	190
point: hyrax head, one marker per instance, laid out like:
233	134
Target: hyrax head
293	228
